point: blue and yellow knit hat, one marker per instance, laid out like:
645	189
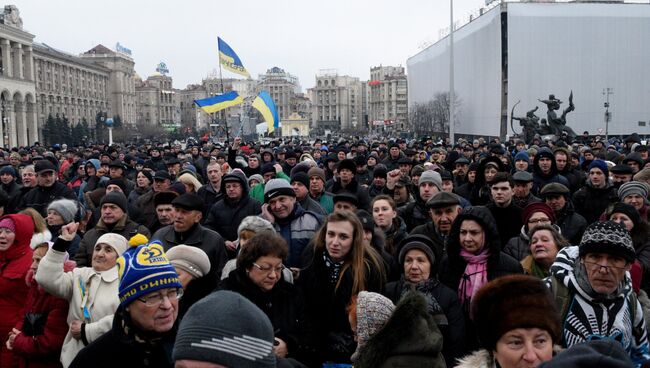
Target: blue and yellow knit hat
144	268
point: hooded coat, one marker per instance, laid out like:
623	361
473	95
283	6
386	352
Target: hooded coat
14	265
540	179
225	215
410	338
480	194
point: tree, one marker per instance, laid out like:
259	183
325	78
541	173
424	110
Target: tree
63	125
432	117
49	128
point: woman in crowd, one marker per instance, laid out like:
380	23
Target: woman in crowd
533	215
517	324
339	267
60	212
15	260
91	291
191	263
37	338
473	258
384	212
419	260
143	183
258	277
486	171
545	243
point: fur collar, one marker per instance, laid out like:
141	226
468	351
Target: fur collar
478	359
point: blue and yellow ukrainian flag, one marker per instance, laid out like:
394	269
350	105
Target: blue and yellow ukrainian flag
230	60
219	102
265	105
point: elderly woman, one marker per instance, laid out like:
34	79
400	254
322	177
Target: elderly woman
91	291
258	277
191	183
473	259
15	260
419	260
38	337
545	243
517	324
191	263
534	214
340	267
639	230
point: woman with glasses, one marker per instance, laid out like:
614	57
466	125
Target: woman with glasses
533	215
91	291
258	277
545	243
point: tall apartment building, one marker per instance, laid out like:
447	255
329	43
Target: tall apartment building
388	105
337	102
191	115
157	102
283	87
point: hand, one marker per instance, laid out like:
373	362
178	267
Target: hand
280	348
392	178
12	337
278	168
69	231
75	329
266	214
236	143
231	245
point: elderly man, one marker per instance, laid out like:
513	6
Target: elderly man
571	223
289	219
317	189
161	182
47	190
522	196
28	177
300	184
143	325
113	219
415	213
164	209
443	209
594	294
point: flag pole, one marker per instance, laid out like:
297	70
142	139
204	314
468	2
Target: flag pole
225	119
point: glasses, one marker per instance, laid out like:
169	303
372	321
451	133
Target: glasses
538	221
269	269
157	299
595	266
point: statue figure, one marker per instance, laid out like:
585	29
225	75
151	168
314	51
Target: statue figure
544	128
11	17
530	125
558	125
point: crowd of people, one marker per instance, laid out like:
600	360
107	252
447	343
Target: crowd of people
376	252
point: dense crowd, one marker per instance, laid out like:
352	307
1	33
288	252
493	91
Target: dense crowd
367	251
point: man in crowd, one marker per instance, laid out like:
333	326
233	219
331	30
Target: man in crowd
164	209
443	209
300	184
592	199
572	224
346	182
161	182
506	214
416	213
523	184
47	190
317	189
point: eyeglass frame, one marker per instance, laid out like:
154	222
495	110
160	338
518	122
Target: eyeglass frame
147	302
609	268
269	270
539	221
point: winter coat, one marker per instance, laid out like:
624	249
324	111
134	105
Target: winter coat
14	265
121	347
225	215
591	202
285	307
209	197
355	188
147	209
518	247
12	189
42	348
429	229
394	236
326	200
40	197
571	224
312	206
124	227
83	287
540	179
135	195
451	322
297	229
478	359
508	221
415	213
410	338
480	194
614	318
326	307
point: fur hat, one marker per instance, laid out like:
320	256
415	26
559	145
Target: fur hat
607	237
510	302
40	238
348	164
192	260
255	224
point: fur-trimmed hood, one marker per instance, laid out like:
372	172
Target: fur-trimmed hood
478	359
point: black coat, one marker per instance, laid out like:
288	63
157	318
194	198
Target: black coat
225	216
508	221
415	213
209	197
285	307
591	202
571	224
40	197
360	192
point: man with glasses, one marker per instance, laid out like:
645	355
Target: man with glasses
143	325
594	294
47	190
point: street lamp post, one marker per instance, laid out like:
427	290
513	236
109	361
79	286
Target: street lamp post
451	71
606	92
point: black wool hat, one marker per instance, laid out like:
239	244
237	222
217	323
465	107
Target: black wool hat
347	164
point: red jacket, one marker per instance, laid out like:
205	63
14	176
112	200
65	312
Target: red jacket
43	351
14	264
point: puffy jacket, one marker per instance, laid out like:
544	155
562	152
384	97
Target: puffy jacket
40	197
540	179
297	229
209	197
83	287
14	265
571	224
591	202
124	227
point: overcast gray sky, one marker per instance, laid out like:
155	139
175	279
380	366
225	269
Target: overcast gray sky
302	37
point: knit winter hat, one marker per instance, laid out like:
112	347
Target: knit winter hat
119	182
316	171
267	168
537	207
373	310
599	164
192	260
255	224
380	171
633	187
145	269
115	198
227	329
8	223
256	177
431	176
116	241
607	237
301	178
66	208
277	187
8	170
522	155
510	302
627	210
421	243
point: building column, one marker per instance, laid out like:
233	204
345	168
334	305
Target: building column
21	124
10	139
6	58
18	61
32	123
29	63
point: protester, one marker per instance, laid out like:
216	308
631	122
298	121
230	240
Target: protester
384	213
535	214
544	244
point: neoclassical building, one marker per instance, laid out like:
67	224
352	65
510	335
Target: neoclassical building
18	120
